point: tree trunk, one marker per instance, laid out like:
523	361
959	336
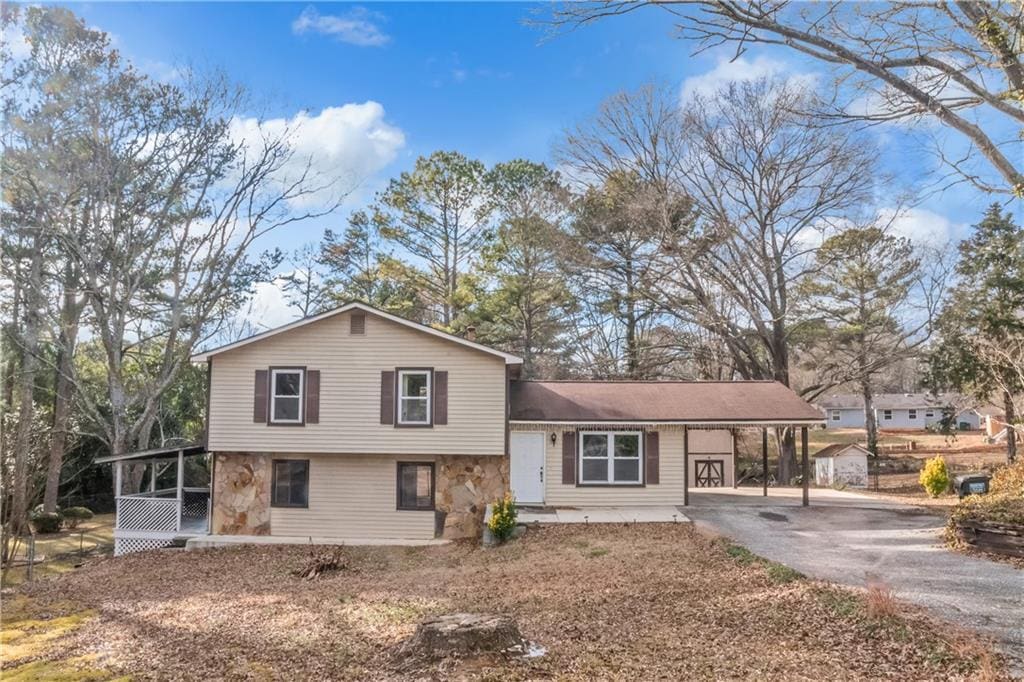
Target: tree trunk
18	519
62	396
786	438
870	424
1011	432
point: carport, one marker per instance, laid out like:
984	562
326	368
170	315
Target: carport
633	444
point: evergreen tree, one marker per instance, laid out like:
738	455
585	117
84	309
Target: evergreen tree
982	325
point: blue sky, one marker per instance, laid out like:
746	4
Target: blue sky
383	83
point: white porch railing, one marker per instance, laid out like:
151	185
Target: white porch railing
145	512
162	510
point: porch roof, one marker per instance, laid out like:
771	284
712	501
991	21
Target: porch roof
660	402
186	450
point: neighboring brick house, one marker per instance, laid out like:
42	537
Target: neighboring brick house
358	425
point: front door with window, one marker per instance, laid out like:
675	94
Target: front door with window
710	473
526	467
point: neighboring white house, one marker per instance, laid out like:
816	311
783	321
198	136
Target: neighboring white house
842	464
899	411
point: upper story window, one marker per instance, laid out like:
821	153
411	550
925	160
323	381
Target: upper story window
610	458
286	386
414	397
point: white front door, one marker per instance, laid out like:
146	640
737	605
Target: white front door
526	467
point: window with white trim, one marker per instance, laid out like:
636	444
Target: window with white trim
286	386
887	415
414	397
911	414
835	415
929	413
610	458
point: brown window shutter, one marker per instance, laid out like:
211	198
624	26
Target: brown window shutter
312	396
357	323
259	401
440	398
652	458
569	458
387	397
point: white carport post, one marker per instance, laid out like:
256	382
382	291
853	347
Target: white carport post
117	479
181	483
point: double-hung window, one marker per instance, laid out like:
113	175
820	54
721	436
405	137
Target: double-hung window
610	458
887	415
911	414
835	415
414	397
286	386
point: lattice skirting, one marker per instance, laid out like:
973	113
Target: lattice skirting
129	545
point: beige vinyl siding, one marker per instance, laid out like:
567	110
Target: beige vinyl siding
352	497
716	445
668	491
350	367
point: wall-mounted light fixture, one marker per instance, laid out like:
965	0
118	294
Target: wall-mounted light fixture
554	437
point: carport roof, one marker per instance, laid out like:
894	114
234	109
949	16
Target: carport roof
686	402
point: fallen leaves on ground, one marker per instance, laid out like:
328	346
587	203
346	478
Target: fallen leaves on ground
655	601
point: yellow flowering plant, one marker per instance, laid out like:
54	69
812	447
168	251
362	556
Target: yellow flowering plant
935	476
503	518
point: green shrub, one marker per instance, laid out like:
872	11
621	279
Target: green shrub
935	476
46	522
75	515
503	518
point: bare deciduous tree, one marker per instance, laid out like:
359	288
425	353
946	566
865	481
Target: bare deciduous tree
957	61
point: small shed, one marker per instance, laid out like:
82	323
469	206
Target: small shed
842	464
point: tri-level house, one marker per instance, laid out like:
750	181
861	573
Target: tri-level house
357	425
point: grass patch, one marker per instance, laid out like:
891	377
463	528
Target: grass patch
777	573
78	669
598	552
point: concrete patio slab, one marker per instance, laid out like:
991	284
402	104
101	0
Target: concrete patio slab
208	541
655	514
786	497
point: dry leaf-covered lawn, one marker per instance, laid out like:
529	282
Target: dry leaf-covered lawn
609	602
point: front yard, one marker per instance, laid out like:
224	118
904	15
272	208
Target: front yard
606	601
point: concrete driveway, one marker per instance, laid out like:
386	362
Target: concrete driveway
849	538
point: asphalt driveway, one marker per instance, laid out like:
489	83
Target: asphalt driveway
852	539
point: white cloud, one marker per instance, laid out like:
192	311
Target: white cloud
924	227
346	144
737	70
356	27
267	308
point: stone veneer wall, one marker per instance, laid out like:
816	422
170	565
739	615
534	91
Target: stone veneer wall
464	488
241	494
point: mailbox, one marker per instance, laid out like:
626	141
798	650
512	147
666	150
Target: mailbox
971	484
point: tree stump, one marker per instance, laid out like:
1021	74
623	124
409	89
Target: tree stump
463	634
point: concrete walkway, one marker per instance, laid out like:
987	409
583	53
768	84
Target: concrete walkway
207	541
657	514
851	539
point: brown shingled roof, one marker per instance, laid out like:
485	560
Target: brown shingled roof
658	401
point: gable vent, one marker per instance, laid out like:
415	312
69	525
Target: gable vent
357	323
